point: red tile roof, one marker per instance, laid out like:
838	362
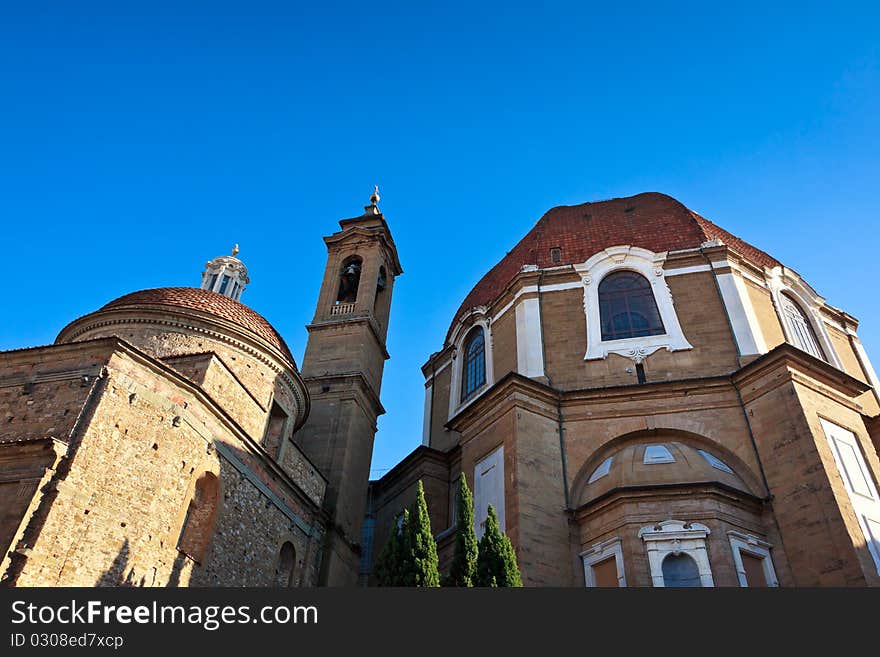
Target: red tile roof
208	302
650	220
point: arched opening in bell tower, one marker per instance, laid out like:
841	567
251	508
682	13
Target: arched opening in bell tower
349	279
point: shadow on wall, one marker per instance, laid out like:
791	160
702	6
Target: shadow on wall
119	574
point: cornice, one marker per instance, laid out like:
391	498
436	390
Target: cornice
363	385
802	368
351	320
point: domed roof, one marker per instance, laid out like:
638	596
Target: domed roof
208	302
650	220
658	464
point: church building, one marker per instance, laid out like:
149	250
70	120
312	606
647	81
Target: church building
644	398
169	439
648	400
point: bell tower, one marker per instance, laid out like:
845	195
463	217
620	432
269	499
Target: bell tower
342	367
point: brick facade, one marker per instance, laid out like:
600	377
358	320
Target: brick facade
740	394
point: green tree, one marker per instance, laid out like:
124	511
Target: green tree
422	557
409	557
496	559
464	557
389	567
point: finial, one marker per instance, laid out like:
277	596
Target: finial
235	250
374	197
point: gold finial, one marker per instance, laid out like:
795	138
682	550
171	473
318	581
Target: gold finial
235	250
374	197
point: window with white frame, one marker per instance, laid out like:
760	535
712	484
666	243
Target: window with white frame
657	454
858	482
471	363
603	469
715	462
489	489
627	308
628	305
751	558
799	329
667	543
799	308
603	565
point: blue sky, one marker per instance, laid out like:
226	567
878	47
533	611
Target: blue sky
138	140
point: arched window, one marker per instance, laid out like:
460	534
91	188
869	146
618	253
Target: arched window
799	328
473	367
198	525
680	570
627	308
286	563
349	280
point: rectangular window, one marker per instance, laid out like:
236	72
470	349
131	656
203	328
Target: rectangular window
603	565
657	454
753	566
605	573
489	489
213	282
751	557
858	483
223	284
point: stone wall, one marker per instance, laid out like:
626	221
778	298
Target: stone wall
119	500
263	383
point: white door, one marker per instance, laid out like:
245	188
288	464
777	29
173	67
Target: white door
489	489
859	484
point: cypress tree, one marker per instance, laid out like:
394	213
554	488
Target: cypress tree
389	566
496	559
422	549
464	558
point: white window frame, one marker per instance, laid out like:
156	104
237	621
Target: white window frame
740	542
481	511
601	470
664	456
648	264
715	462
600	552
799	327
865	507
477	317
781	280
677	537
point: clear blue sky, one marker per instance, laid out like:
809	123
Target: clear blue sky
140	139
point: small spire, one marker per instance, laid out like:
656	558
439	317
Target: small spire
374	197
235	250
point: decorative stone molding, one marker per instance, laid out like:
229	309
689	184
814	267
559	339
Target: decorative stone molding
781	280
648	264
676	537
478	316
600	552
740	542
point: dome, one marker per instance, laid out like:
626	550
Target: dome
205	301
650	220
663	463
